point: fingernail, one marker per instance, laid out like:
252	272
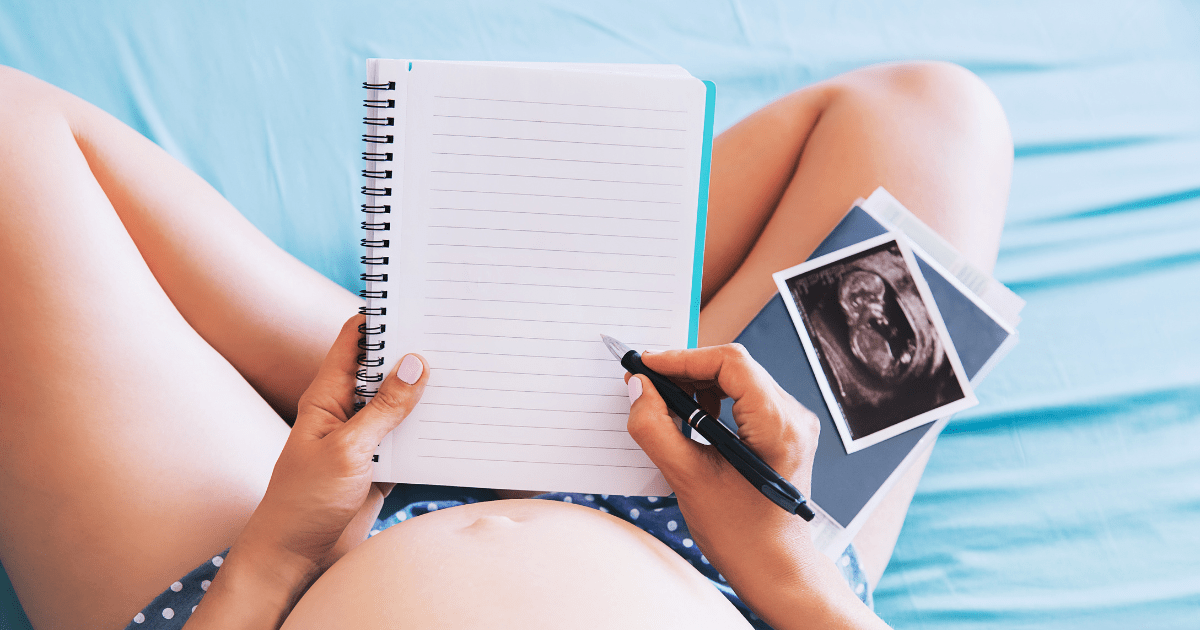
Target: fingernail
635	389
410	369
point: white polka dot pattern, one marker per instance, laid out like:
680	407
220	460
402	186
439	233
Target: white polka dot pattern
171	609
659	516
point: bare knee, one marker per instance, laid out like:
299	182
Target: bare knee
959	96
962	105
27	105
935	136
17	87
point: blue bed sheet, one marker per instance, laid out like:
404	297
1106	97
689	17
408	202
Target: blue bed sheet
1070	498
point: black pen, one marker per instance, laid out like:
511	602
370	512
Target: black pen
728	444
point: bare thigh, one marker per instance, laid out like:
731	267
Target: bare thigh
135	440
932	134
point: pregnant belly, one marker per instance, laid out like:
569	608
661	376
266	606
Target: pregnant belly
513	564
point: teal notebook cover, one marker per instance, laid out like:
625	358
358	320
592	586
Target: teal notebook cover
710	105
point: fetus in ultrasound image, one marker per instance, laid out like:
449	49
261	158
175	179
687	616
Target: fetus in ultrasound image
879	350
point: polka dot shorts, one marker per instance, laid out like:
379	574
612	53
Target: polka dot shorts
172	608
658	516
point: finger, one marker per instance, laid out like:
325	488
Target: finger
730	366
653	428
689	385
397	396
332	391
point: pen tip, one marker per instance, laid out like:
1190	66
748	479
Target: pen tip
617	348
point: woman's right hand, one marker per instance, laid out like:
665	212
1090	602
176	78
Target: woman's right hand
741	531
765	553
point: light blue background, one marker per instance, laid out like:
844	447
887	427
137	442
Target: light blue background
1070	498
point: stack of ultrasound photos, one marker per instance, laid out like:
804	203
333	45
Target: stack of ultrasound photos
883	333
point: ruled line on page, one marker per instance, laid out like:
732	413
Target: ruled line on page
488	264
556	122
536	303
505	100
459	334
540	249
520	356
550	159
610	378
545	321
570	179
597	144
524	461
557	214
607	448
501	192
522	391
552	286
523	426
603	413
495	229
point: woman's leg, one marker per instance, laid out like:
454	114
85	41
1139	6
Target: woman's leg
271	316
932	134
140	313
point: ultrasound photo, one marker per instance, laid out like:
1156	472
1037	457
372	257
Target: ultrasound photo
879	352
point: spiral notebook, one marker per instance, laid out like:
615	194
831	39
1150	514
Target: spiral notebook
513	213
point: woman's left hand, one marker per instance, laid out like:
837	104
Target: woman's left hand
321	502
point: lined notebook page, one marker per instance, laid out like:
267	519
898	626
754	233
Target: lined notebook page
541	208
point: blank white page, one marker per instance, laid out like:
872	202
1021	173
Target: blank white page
540	208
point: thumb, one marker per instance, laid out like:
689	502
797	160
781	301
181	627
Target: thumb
653	428
392	403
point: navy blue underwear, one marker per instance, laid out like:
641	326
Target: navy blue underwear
658	516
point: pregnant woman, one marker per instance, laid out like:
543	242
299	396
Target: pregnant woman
156	347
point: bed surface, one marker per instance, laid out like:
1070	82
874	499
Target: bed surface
1070	498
